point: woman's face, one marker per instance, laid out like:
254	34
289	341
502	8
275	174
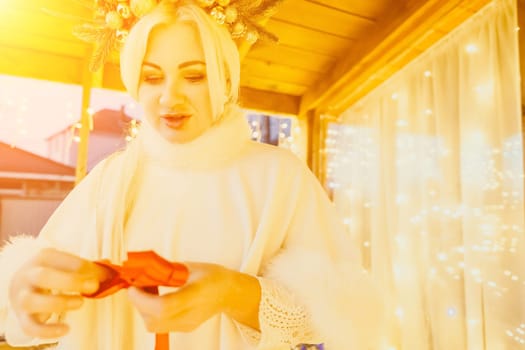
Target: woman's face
173	87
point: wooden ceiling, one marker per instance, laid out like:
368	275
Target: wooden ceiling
331	52
313	35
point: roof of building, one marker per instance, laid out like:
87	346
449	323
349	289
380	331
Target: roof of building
17	160
106	121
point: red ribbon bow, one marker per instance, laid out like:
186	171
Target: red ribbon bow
145	270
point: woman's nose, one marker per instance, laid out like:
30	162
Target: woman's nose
172	95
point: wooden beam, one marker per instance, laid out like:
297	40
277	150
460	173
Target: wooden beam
36	21
312	147
270	102
521	41
11	37
111	77
88	82
66	69
44	65
40	65
324	18
317	131
405	34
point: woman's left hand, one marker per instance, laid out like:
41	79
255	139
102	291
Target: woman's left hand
210	289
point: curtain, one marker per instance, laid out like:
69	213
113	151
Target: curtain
427	172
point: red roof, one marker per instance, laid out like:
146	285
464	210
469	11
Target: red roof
19	161
106	121
110	121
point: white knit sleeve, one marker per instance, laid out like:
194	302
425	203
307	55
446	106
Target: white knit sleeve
282	320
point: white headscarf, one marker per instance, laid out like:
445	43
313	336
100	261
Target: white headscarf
220	52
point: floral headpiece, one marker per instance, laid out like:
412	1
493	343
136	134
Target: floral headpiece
114	19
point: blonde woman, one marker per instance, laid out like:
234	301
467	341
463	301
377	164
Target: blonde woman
269	264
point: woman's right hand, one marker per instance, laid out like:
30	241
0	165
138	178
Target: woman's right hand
52	283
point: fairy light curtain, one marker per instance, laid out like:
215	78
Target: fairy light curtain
427	172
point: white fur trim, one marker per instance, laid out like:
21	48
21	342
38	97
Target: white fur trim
15	253
345	304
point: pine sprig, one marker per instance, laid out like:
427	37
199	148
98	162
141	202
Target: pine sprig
107	43
244	5
89	32
262	33
107	5
272	9
265	8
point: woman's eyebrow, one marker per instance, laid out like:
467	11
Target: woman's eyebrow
191	63
182	65
149	64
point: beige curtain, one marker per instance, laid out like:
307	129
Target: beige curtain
427	171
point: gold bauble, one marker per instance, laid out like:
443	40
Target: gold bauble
218	13
238	29
122	35
251	36
223	3
124	11
140	8
231	14
113	20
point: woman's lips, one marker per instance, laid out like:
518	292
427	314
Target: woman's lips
175	121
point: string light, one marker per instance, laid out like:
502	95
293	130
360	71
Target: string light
485	213
442	257
471	48
401	123
452	312
400	312
456	212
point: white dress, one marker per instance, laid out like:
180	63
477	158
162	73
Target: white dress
222	199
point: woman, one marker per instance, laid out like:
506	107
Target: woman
267	256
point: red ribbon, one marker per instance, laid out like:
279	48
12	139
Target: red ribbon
145	270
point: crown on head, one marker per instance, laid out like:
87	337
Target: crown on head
114	19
